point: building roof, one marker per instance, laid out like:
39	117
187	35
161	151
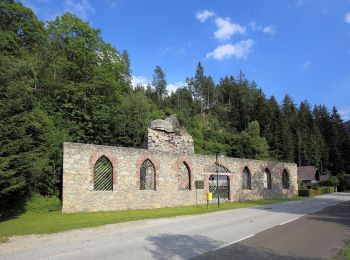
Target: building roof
307	173
324	177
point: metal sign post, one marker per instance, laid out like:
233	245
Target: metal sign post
217	179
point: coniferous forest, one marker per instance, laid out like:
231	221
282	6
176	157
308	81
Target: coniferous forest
60	81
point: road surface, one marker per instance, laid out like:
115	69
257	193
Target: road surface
187	236
320	235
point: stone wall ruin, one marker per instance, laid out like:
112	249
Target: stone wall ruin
169	151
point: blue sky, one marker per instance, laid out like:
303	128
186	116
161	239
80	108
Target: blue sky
299	47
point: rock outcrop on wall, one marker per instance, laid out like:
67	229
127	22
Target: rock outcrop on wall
168	136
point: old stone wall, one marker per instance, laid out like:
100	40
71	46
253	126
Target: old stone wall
78	178
168	136
175	142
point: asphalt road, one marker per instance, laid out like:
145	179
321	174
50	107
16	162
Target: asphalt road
227	234
320	235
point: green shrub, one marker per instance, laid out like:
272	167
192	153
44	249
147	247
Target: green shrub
304	193
331	181
39	203
315	192
326	189
344	254
301	186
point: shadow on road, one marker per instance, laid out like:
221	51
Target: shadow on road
339	214
239	251
302	206
167	246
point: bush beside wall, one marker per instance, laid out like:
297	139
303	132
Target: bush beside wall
315	192
304	193
39	203
327	189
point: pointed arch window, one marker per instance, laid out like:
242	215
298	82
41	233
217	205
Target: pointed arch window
217	167
285	180
147	176
103	174
184	177
246	179
267	179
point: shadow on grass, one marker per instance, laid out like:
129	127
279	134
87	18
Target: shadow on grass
12	210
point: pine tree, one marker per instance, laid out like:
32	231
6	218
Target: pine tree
197	86
273	129
289	131
159	82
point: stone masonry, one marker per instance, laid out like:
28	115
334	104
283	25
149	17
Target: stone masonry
167	154
168	136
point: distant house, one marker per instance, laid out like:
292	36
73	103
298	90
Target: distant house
310	176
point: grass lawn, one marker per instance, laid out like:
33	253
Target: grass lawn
345	253
51	222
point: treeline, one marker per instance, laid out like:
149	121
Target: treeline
61	82
219	116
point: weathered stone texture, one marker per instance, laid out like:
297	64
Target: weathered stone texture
167	136
78	170
162	125
161	141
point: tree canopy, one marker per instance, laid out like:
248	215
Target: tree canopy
60	81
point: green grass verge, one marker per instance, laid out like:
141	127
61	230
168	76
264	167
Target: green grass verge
51	222
345	253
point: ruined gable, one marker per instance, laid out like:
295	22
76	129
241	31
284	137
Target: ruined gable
168	136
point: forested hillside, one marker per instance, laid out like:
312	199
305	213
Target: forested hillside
60	81
347	125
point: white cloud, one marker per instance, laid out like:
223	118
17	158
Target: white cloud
269	30
143	81
139	80
239	50
172	87
347	17
79	8
165	50
226	29
204	15
306	64
345	113
300	3
112	3
255	27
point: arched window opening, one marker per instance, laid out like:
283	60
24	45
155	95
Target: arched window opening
267	179
103	174
285	180
246	179
217	167
223	189
147	176
184	178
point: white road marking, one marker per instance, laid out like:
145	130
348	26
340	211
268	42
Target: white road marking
234	242
288	221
